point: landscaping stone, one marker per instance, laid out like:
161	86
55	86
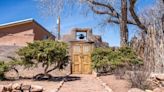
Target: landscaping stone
25	87
135	90
159	89
8	87
148	91
35	88
16	91
160	77
16	86
1	88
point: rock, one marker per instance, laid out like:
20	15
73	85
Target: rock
8	88
16	86
26	91
16	91
12	74
159	89
160	77
135	90
35	88
1	88
25	87
148	91
162	83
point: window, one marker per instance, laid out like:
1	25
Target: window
45	37
81	36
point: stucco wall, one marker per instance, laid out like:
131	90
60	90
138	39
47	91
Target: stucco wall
17	35
40	32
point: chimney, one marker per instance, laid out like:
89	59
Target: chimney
58	23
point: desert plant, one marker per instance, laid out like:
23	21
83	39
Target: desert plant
3	68
47	52
108	59
7	66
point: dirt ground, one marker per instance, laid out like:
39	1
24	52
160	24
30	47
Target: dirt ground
27	75
117	85
82	83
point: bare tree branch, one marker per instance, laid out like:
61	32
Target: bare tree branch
100	12
134	15
113	11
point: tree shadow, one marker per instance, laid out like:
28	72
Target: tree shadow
72	78
48	78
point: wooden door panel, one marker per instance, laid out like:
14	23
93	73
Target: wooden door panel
86	64
81	58
76	65
76	49
86	49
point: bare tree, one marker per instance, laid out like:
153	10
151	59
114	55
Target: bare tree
99	7
151	48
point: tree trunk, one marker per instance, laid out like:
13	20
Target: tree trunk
123	24
45	69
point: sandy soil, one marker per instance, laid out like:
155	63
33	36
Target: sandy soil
82	83
117	85
29	73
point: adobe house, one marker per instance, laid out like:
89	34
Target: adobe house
20	32
82	42
14	35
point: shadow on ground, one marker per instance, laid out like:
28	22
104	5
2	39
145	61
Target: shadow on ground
52	78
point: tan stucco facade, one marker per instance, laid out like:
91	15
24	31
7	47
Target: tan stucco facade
18	34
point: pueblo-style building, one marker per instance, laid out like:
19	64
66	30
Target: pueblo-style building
21	32
82	42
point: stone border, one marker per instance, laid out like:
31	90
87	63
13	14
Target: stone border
107	88
61	83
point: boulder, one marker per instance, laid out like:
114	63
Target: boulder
35	88
135	90
16	86
25	87
160	77
8	88
159	89
12	74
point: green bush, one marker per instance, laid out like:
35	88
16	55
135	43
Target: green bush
7	66
3	68
109	59
47	52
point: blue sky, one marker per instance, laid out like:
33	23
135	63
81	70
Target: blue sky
14	10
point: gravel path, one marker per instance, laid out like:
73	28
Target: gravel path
82	83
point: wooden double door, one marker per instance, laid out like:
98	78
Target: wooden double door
81	58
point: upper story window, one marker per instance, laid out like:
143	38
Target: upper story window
81	36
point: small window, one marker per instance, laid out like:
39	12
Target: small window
81	36
45	37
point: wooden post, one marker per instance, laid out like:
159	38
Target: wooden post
163	23
58	23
